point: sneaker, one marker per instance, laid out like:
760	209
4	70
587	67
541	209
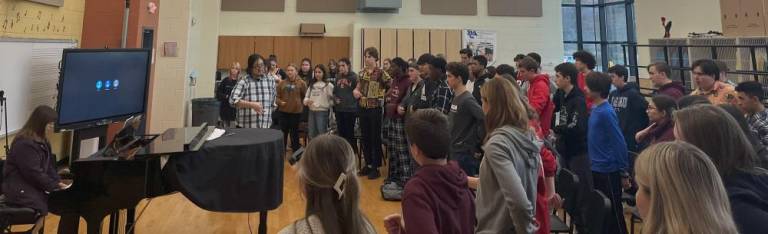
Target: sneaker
390	185
373	173
392	194
364	171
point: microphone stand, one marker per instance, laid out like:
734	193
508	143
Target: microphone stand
5	117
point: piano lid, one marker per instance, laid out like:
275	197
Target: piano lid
176	140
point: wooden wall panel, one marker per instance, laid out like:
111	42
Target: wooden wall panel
453	45
234	49
420	42
264	46
388	43
253	5
292	49
437	41
405	43
529	8
449	7
348	6
327	48
371	38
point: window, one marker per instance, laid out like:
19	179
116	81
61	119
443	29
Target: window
600	27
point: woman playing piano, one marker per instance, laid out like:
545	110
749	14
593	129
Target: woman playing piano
29	174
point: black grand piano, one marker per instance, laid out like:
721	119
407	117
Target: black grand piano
242	171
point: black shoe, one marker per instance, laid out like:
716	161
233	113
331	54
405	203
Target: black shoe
364	171
373	174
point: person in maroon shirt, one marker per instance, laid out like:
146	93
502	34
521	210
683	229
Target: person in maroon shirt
437	199
401	166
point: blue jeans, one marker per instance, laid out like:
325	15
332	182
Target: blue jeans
318	123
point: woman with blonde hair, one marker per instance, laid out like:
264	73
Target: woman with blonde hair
327	178
506	193
680	191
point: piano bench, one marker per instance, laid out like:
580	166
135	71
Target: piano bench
10	215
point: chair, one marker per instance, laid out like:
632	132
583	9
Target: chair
600	208
566	185
11	215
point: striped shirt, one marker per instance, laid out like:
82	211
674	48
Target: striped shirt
261	90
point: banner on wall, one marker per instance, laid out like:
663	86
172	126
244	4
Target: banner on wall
481	42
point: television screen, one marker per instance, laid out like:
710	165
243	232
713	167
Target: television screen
100	86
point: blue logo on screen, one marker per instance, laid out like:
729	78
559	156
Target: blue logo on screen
98	85
107	84
115	84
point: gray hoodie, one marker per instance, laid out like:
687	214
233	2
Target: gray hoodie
506	195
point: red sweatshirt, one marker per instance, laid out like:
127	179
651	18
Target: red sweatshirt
438	200
582	82
538	98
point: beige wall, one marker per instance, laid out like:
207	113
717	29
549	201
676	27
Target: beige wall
170	82
66	22
515	34
686	16
204	36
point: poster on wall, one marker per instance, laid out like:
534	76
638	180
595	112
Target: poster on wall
482	42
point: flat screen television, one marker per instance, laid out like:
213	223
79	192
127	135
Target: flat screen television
99	86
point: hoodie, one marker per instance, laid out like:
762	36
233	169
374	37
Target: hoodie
570	122
437	199
538	98
506	195
747	193
674	90
630	106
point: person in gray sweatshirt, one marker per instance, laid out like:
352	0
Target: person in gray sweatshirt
506	191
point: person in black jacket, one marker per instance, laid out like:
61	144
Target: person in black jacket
629	104
29	174
227	112
570	127
477	67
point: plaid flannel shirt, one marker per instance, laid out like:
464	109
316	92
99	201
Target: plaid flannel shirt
262	90
758	123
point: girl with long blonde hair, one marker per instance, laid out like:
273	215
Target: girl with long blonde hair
680	191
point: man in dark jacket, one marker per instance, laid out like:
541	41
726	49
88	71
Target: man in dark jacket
659	73
629	104
570	126
478	76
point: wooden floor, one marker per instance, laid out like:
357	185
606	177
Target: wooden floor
175	214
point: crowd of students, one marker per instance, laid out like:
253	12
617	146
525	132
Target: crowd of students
475	149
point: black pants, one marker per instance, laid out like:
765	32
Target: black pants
610	185
345	123
580	165
370	126
289	123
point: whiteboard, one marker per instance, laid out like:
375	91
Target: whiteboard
29	73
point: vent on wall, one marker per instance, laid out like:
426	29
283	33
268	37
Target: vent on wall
312	30
380	5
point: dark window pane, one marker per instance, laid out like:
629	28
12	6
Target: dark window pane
615	55
570	48
616	23
569	24
590	23
595	50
